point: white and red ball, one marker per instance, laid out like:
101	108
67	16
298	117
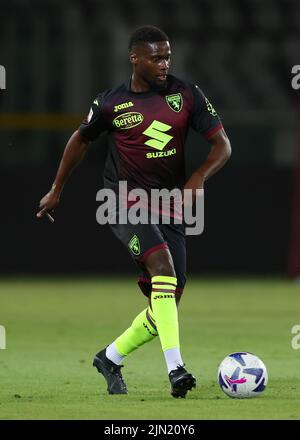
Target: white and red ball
242	375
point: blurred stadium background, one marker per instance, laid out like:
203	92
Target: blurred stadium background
59	55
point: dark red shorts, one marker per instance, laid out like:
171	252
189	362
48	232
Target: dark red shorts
142	240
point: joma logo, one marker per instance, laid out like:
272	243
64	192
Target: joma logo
163	296
122	106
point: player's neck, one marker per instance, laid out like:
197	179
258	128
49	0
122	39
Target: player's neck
138	85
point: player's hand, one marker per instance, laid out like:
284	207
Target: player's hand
196	181
47	205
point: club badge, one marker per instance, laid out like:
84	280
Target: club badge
175	102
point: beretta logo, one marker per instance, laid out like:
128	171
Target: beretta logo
128	120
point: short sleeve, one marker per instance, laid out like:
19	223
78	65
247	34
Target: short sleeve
204	118
94	124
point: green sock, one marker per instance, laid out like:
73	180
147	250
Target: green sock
142	330
165	310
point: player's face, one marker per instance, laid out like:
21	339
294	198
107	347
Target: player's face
152	62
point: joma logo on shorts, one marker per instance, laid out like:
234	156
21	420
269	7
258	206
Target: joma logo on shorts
122	106
163	296
161	154
128	120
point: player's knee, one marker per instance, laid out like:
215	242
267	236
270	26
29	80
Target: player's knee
164	269
160	263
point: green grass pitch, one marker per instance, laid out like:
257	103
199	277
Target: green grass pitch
55	326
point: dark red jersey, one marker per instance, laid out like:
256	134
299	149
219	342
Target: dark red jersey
148	132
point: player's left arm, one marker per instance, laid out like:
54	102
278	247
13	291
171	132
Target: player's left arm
219	154
205	120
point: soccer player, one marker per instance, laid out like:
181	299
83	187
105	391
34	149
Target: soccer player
148	117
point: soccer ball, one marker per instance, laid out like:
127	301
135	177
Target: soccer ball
242	375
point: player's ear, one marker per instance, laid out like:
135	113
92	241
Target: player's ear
133	57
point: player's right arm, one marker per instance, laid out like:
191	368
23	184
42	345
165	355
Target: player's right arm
73	154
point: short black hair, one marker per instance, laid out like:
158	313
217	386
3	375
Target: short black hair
146	34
